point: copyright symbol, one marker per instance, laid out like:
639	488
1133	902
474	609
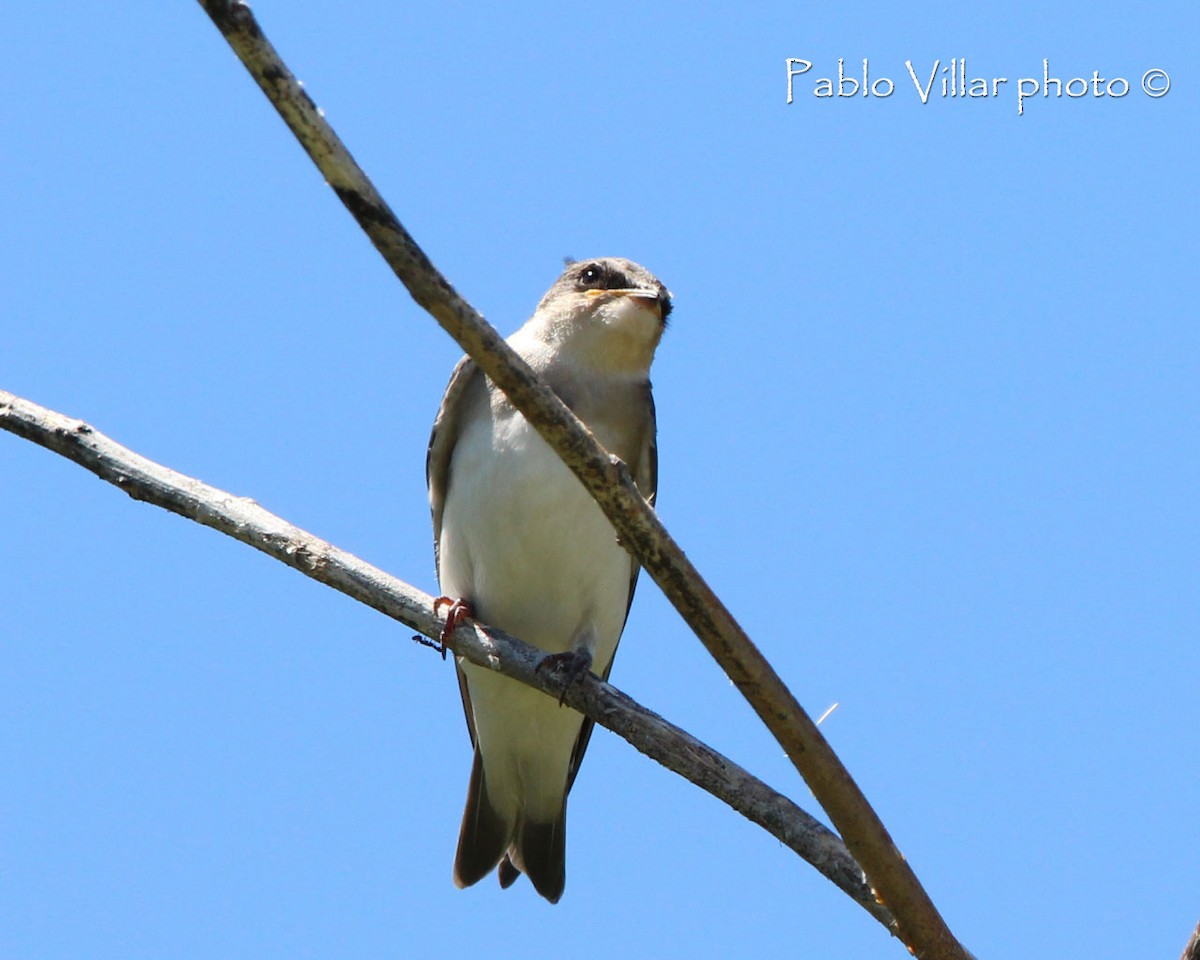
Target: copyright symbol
1156	82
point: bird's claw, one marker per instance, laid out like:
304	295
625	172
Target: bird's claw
459	611
571	664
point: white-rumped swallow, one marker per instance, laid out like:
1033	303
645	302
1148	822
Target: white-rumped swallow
521	545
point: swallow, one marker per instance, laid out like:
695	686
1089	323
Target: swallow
521	545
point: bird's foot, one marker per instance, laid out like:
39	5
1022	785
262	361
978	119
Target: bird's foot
459	611
572	665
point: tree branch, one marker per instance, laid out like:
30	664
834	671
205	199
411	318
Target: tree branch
1192	950
920	925
244	520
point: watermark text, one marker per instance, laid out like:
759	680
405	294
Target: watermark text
951	81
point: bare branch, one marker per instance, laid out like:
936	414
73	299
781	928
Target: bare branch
608	480
1192	950
244	520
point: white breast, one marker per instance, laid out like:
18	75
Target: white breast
527	544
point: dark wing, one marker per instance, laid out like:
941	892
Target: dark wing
442	439
645	474
446	429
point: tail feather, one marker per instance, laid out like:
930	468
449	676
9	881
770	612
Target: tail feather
487	839
485	834
541	851
507	873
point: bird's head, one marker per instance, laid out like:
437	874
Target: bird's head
606	313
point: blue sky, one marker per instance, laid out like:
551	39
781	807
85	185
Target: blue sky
927	415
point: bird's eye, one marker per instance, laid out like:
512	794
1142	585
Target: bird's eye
591	276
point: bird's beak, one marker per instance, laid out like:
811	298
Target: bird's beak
637	293
625	292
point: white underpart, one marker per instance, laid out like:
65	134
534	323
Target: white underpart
524	540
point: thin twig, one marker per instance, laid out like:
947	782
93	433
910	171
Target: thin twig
1192	950
244	520
921	926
